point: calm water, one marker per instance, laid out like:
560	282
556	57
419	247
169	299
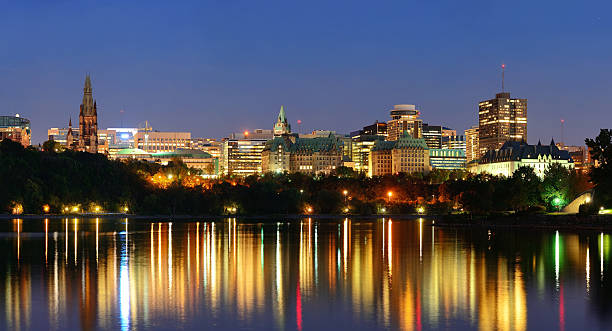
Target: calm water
379	274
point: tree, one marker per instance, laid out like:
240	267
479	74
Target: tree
556	186
525	188
600	150
52	146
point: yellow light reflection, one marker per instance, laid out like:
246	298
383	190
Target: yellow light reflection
588	271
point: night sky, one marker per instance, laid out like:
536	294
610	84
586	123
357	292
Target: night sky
215	67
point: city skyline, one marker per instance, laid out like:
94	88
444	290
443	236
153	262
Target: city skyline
346	71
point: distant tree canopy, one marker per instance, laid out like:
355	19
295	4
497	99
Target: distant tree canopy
34	179
600	150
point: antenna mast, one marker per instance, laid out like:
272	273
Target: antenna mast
503	66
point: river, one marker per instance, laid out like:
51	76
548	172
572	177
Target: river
379	274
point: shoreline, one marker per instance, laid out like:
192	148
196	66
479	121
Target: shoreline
531	221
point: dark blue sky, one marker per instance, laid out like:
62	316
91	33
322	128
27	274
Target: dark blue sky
215	67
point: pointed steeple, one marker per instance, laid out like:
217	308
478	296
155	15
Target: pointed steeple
281	115
87	82
282	126
70	122
539	142
552	142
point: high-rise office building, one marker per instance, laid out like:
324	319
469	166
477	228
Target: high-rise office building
501	119
433	135
241	152
404	118
454	142
472	151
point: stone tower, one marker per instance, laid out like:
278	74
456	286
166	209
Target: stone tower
69	135
282	126
88	121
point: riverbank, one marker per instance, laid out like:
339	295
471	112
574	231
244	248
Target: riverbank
263	218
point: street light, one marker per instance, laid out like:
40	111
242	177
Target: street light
421	210
389	194
557	202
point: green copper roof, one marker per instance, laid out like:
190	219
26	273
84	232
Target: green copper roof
183	153
383	145
318	144
406	141
281	115
131	151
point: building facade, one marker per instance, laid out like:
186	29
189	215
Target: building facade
15	128
500	120
241	152
513	155
314	156
158	142
407	155
88	121
208	145
404	118
454	142
447	159
433	135
472	150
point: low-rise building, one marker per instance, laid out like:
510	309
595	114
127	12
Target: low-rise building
447	159
514	154
315	156
156	141
407	155
15	128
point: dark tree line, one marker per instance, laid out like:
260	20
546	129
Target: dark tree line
59	178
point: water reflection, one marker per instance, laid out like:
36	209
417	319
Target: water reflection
381	274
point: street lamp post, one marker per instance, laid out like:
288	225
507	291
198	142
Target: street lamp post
389	194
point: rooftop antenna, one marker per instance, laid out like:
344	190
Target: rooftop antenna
503	67
562	138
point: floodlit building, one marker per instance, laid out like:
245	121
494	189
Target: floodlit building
315	156
15	128
454	142
513	155
500	120
157	142
208	145
432	135
362	142
282	125
580	156
361	146
241	152
472	150
447	159
407	155
88	121
404	118
344	139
